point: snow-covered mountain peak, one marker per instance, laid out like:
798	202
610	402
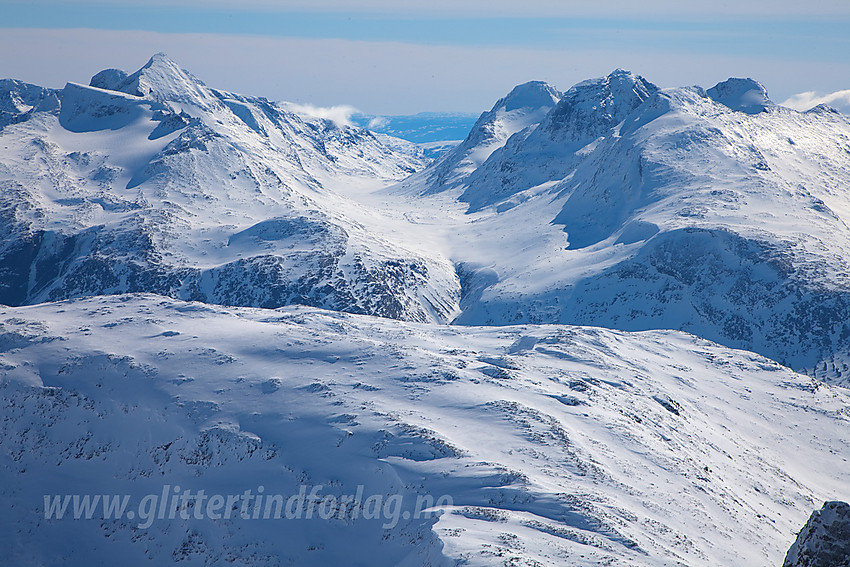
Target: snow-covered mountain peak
517	113
532	95
619	81
524	106
744	95
15	96
160	79
551	140
109	79
590	108
19	99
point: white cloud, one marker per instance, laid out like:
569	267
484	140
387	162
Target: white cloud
378	123
804	101
339	114
382	77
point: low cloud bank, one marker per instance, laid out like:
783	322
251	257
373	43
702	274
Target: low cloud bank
804	101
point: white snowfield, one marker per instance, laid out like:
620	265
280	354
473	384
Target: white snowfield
217	301
558	445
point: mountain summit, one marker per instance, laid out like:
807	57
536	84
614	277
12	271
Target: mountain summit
745	95
517	113
545	148
531	95
155	182
633	207
160	79
591	108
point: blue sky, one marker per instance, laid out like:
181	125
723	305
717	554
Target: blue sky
404	56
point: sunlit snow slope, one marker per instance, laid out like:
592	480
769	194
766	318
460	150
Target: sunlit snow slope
558	445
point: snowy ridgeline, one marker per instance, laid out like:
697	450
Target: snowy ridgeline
554	444
613	204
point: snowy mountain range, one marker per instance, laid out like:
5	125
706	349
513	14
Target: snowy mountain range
155	182
715	212
610	327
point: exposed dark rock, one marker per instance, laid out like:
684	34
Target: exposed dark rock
825	539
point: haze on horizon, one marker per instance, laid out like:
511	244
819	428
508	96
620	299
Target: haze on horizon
386	57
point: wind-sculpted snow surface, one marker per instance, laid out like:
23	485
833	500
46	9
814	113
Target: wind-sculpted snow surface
550	445
155	182
716	212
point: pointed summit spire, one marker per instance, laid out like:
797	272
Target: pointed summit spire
160	79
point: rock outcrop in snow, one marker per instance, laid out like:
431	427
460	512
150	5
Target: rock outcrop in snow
825	539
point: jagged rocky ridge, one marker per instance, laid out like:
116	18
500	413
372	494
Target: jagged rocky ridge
155	182
633	207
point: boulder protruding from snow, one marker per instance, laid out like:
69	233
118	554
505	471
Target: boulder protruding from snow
825	539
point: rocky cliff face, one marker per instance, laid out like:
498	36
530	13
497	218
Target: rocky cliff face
825	539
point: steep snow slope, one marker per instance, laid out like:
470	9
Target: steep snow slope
156	182
557	445
715	212
585	113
